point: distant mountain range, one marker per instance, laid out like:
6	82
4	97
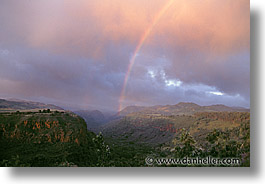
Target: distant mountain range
179	109
21	105
160	124
95	118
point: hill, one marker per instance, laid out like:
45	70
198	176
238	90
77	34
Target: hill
61	138
160	124
179	109
215	134
155	130
48	139
21	105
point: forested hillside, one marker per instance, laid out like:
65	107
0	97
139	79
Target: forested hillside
61	138
216	134
49	139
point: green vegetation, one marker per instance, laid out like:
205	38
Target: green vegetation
234	143
53	138
128	154
215	134
34	139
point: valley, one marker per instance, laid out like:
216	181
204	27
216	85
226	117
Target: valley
89	138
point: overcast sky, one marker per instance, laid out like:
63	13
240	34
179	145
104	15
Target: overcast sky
77	53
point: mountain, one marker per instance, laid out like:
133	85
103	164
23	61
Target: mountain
21	105
179	109
154	129
132	109
159	124
61	138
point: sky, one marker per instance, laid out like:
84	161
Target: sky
109	54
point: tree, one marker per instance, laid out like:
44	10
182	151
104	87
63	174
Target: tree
186	145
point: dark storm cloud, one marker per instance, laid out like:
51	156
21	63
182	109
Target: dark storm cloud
47	75
78	52
228	73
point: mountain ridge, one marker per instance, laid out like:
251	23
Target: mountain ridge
180	108
20	105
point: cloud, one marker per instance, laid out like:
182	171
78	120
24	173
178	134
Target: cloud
79	51
78	26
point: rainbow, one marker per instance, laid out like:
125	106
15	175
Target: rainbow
138	48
